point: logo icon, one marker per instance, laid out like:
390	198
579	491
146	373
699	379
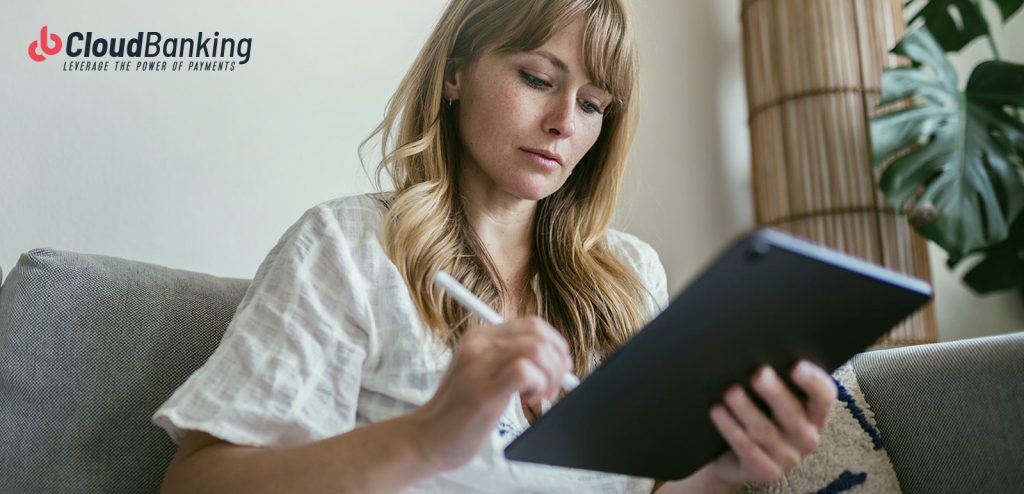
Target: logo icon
42	44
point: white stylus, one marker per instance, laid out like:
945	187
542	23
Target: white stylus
464	297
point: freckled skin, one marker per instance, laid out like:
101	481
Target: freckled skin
500	112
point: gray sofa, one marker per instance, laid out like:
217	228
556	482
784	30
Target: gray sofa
90	346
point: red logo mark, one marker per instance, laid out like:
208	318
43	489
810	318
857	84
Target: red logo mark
41	43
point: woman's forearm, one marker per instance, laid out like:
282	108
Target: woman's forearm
702	481
382	457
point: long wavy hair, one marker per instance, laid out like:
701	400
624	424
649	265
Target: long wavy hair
587	292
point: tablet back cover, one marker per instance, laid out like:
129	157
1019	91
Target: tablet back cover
769	299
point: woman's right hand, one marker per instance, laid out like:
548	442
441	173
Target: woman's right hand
525	356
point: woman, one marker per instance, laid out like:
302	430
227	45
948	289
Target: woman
345	369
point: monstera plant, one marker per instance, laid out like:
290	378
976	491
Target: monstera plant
952	158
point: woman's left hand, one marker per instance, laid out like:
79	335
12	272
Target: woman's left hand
764	448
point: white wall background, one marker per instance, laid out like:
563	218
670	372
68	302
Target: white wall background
205	170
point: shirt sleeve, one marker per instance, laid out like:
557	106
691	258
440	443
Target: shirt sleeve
646	264
288	368
656	278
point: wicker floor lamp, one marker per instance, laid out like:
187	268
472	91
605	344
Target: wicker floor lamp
813	69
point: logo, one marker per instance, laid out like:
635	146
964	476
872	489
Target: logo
42	43
144	52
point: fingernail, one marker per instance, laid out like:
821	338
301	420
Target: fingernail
734	393
766	376
804	369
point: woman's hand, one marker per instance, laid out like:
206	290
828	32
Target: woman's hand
764	448
490	363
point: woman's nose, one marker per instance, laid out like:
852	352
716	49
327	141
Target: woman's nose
561	119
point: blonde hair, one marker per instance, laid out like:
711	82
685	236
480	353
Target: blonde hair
587	292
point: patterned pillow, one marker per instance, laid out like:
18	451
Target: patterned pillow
851	457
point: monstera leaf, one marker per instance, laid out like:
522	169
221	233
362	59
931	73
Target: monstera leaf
955	23
1002	266
959	169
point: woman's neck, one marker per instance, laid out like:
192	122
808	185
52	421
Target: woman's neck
504	225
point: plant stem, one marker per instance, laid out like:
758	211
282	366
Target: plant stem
991	36
1017	112
990	28
992	44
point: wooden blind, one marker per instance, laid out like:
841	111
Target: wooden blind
813	70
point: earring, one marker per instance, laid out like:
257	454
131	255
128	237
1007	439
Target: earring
449	104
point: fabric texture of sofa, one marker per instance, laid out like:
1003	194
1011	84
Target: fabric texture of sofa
90	345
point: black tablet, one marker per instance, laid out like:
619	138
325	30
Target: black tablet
770	298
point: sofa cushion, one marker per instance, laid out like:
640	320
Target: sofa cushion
90	346
950	413
851	455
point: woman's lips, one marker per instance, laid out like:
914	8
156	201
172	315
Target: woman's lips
547	160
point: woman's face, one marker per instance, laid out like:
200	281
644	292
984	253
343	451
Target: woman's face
526	118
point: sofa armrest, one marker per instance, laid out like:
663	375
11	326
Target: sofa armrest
89	347
950	413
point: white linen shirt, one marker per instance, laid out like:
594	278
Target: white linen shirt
327	339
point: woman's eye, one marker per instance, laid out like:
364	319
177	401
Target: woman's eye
538	83
589	107
534	81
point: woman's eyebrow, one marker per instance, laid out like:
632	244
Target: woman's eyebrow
557	62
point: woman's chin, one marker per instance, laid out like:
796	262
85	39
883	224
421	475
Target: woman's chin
535	194
534	190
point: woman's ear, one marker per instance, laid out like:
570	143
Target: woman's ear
451	90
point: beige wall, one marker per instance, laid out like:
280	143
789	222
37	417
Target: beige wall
204	171
690	190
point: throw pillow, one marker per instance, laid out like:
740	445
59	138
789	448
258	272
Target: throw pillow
851	457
